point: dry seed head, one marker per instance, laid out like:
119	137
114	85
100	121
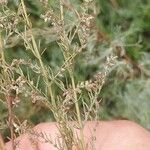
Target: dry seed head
16	87
84	30
35	68
3	2
17	62
49	16
21	127
110	61
99	78
45	2
35	96
16	101
62	70
69	95
8	20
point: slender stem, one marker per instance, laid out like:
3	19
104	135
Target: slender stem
25	13
10	99
39	56
2	58
43	70
78	110
73	84
61	11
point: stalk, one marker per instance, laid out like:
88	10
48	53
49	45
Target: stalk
35	48
78	111
9	98
73	85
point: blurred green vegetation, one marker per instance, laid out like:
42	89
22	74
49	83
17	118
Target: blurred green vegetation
126	92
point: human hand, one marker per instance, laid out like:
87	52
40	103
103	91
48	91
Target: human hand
109	135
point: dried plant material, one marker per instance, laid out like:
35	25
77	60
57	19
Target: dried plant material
31	80
3	2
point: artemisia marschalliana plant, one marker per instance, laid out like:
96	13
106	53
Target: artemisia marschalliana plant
55	88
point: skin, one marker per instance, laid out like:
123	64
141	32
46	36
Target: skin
109	135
